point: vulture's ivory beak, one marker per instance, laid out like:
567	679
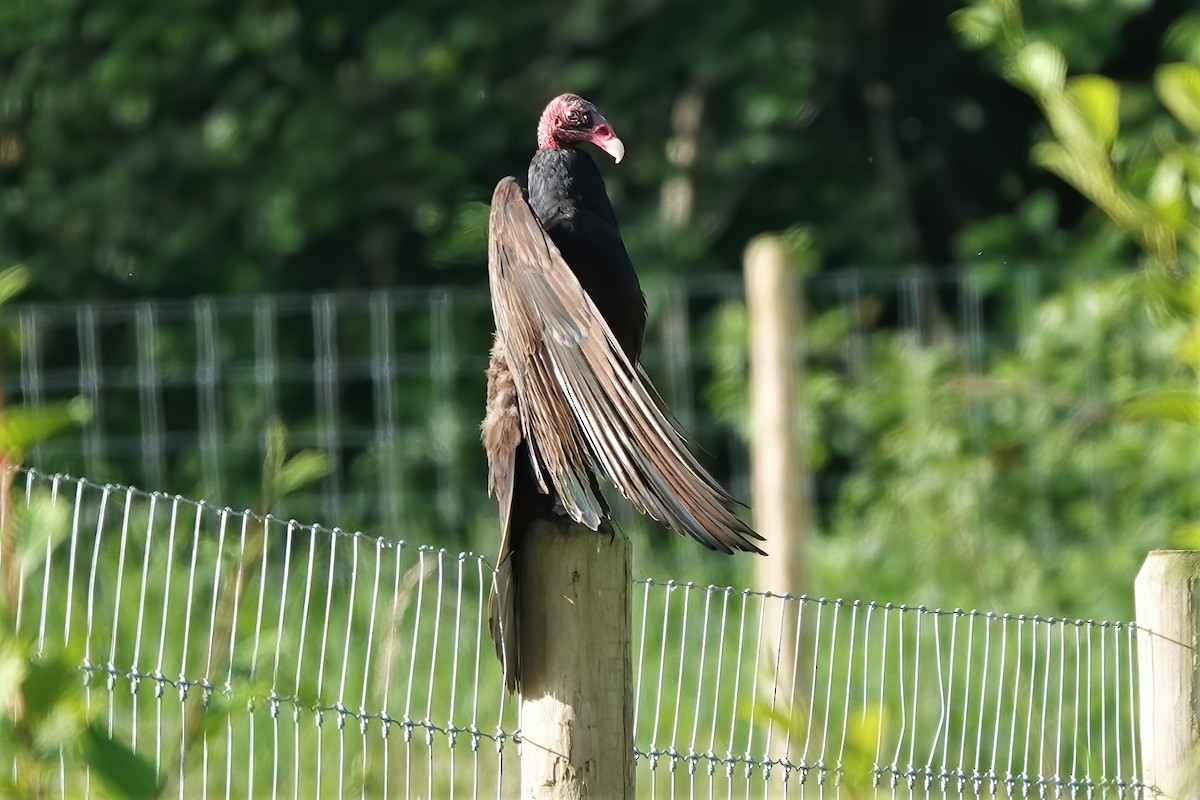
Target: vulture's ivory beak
604	138
614	147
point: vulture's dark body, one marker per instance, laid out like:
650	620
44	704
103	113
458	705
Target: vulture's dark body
568	196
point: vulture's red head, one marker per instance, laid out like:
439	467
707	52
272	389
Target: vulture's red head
569	120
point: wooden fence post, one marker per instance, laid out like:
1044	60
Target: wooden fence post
1167	594
576	704
780	494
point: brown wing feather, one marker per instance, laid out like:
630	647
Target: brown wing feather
581	402
501	434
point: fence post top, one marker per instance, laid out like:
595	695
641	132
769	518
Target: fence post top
1169	565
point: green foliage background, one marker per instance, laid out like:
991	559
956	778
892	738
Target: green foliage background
207	147
218	148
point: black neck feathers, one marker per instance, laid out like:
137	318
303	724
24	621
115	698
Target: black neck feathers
566	178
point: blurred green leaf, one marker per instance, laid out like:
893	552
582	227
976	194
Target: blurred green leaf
21	427
1099	100
48	682
1172	405
1183	38
1178	86
37	526
123	772
1040	67
13	666
302	469
978	25
12	282
1186	537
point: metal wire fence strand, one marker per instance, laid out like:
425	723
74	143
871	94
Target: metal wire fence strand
639	685
831	670
1047	650
1104	774
89	388
319	714
391	645
74	539
273	699
160	680
794	683
111	664
189	604
383	392
754	695
737	684
946	700
1117	704
412	664
208	378
673	752
135	669
206	682
266	367
227	689
712	735
30	333
475	680
150	395
47	568
342	710
1132	704
437	627
458	606
693	754
896	768
880	768
1023	775
662	671
368	665
839	763
445	422
773	714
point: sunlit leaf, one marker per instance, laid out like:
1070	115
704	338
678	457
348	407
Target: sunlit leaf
12	282
1186	537
1178	86
1099	100
302	469
1040	67
1172	405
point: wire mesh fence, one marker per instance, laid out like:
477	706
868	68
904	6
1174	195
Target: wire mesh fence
390	383
743	692
1021	379
247	655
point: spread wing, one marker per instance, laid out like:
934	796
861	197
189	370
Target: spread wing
582	404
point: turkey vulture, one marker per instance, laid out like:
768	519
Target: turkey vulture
565	397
